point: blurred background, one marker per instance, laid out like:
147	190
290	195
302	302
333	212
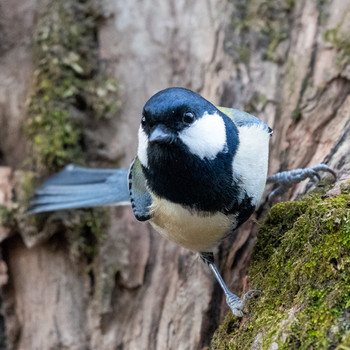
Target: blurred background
74	76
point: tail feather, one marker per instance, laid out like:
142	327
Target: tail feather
77	187
67	189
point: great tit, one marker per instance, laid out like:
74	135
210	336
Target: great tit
199	173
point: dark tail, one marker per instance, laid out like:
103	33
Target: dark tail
77	187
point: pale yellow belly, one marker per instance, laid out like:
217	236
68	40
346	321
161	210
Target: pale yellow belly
196	231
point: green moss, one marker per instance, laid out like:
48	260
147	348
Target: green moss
243	53
85	230
256	103
340	40
24	186
267	20
68	87
297	115
6	217
274	25
301	262
70	91
225	335
345	187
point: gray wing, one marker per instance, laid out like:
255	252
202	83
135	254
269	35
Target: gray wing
241	118
140	197
77	187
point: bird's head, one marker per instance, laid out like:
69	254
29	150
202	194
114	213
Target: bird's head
181	122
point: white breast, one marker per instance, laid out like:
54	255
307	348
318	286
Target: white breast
196	231
251	160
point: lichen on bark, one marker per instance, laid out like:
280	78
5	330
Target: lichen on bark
338	37
301	263
270	21
69	88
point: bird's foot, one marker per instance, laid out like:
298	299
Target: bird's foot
286	179
237	304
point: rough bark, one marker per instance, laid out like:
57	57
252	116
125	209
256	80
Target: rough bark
286	62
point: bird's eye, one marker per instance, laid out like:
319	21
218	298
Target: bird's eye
189	117
143	120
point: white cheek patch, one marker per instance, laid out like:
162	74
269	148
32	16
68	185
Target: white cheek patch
206	137
142	147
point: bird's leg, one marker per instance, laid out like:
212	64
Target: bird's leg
287	179
235	303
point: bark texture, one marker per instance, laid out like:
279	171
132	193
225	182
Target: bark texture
286	62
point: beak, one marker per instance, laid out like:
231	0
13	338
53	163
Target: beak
161	135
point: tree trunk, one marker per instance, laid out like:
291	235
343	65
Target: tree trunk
287	62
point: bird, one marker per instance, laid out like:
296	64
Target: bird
199	173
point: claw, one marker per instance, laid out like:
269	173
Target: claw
287	179
236	304
315	176
251	294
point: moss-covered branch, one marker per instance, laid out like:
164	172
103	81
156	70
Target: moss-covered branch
302	264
